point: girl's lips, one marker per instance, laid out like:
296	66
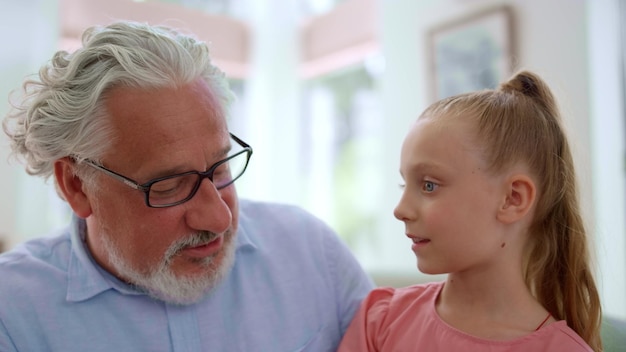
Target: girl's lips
205	250
418	242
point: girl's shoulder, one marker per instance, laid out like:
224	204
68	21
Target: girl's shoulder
389	317
406	293
560	337
393	302
403	318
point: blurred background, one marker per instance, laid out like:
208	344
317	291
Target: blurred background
327	89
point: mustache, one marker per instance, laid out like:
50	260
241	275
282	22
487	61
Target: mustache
195	239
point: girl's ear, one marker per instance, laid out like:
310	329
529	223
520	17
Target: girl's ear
519	199
71	187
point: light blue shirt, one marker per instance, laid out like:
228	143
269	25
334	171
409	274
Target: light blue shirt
294	287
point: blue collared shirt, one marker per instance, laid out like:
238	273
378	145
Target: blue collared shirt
294	287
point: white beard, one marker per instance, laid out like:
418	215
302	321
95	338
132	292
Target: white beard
162	284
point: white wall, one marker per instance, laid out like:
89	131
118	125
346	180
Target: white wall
272	95
607	135
28	33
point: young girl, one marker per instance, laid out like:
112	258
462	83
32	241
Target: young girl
490	199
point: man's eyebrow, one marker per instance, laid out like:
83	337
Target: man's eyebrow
224	151
179	169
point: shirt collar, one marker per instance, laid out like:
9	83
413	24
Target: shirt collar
245	232
86	278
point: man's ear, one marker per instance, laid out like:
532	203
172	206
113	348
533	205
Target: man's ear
519	198
71	186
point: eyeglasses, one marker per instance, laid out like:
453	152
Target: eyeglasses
172	190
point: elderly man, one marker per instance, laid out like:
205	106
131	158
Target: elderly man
160	254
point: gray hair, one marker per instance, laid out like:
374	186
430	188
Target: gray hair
63	112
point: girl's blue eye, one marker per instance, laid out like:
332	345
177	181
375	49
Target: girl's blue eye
429	186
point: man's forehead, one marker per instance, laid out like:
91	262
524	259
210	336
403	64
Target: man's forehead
165	108
172	119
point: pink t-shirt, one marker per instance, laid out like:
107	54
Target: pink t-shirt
406	320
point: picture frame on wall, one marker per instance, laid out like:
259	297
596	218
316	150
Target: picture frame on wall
473	53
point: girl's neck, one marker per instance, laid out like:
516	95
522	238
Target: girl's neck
499	309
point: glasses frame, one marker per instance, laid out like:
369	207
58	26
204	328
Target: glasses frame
145	187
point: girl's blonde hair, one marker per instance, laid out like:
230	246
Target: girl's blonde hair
520	122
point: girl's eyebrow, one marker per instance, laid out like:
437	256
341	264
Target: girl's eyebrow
424	167
421	167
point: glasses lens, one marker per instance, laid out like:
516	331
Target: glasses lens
176	189
230	170
172	190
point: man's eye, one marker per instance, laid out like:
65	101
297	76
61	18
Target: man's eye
165	187
173	186
222	172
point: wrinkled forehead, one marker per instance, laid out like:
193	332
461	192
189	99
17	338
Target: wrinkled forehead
158	117
163	106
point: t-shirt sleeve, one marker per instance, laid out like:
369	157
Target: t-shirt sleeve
368	326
